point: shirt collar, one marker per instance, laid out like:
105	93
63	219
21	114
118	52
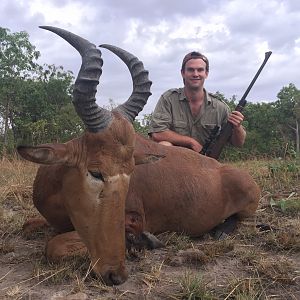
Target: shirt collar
208	99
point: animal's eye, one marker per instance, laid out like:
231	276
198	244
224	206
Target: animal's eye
97	175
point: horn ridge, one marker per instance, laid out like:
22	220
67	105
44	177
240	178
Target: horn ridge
141	83
85	86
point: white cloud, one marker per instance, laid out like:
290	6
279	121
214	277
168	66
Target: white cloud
70	14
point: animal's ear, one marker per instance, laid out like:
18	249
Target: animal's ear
145	158
45	154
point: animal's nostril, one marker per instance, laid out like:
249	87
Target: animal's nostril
113	278
116	279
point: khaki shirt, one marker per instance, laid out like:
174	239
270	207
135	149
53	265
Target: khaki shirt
173	112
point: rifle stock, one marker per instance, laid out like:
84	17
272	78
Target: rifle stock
215	144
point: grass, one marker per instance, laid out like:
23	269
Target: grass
215	249
71	269
248	288
274	175
16	178
152	278
193	287
177	241
7	245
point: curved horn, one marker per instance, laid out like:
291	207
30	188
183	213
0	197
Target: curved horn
94	117
141	83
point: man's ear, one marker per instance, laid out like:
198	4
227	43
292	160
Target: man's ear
45	154
145	158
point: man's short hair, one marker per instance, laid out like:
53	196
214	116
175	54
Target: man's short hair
195	55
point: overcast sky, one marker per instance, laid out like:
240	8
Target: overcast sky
234	35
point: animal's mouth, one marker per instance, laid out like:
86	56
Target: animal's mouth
113	275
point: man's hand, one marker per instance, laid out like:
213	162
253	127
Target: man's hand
194	145
236	118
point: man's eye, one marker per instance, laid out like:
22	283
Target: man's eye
97	175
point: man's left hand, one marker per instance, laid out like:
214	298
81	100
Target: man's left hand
236	118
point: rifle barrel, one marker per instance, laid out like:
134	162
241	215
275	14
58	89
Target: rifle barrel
267	56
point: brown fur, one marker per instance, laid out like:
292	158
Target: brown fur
188	192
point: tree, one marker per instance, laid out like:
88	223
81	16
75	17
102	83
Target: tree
43	111
17	62
35	101
287	105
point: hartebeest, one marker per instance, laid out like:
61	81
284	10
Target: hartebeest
88	182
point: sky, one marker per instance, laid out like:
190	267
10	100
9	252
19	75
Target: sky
233	34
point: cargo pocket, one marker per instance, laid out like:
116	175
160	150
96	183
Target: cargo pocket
209	127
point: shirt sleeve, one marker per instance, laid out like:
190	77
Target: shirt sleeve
162	116
226	113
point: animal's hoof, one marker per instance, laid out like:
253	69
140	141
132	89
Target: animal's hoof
219	235
151	241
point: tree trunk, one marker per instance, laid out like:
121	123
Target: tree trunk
5	142
297	138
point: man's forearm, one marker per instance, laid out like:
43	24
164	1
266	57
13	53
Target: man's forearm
172	137
238	136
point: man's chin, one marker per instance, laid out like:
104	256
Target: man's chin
195	84
195	87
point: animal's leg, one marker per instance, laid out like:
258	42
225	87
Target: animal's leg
223	229
65	245
145	240
35	224
150	241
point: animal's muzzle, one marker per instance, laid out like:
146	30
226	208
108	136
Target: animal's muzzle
115	277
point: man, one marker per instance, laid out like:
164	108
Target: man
186	116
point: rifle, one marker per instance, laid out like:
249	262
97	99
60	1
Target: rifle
217	140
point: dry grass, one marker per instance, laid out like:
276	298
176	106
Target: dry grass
193	286
250	264
177	241
248	288
16	178
273	173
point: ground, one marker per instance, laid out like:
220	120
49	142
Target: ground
248	264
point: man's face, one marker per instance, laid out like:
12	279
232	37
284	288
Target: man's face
194	73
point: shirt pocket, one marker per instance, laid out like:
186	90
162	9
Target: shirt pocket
209	127
181	127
